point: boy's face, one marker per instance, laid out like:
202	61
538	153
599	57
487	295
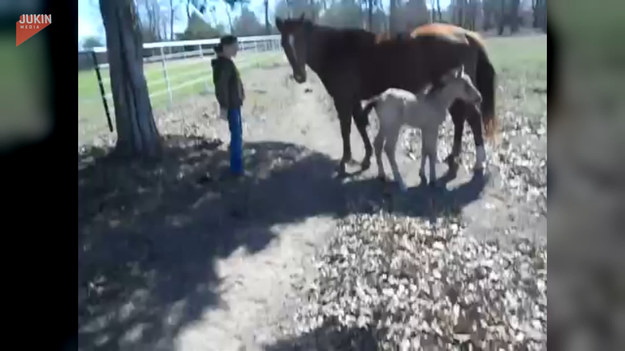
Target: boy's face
232	49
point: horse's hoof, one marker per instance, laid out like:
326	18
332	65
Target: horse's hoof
402	187
434	185
351	162
365	164
382	178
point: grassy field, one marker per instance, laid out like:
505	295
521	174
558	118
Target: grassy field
91	116
521	66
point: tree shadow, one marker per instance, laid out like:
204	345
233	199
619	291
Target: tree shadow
149	233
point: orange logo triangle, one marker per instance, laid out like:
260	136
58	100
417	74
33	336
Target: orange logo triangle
29	25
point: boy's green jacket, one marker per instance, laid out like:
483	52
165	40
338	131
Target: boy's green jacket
228	85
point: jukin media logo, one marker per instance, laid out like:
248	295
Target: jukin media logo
29	25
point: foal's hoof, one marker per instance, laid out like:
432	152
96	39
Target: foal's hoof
382	178
402	187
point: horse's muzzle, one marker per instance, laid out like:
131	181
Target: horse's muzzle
300	78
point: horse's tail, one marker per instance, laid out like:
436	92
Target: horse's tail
485	83
367	109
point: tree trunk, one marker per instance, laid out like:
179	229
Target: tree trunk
229	19
137	135
514	16
502	17
171	20
392	19
267	25
370	14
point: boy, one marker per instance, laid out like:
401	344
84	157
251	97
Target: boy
230	95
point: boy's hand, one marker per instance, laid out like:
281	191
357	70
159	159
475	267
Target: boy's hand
223	114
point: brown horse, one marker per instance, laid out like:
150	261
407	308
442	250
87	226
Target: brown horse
355	65
483	74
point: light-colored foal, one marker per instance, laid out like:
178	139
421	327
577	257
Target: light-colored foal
426	111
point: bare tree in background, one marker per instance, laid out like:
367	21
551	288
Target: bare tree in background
151	20
488	11
392	21
267	25
137	135
172	11
539	14
514	15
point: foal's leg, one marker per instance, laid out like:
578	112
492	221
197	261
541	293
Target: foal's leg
430	143
345	118
423	159
378	143
391	141
474	117
457	111
361	125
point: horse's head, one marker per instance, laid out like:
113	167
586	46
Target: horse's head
295	34
460	84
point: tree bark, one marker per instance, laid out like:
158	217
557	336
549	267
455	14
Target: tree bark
392	19
514	16
137	135
502	17
267	25
370	14
171	20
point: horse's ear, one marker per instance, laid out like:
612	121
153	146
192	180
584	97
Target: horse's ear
279	23
460	71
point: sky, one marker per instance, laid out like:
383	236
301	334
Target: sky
90	20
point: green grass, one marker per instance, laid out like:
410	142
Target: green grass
91	115
521	66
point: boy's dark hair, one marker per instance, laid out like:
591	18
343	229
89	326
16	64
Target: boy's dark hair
225	40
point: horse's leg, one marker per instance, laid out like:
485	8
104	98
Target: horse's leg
389	148
378	143
361	125
423	159
345	118
430	138
475	122
457	111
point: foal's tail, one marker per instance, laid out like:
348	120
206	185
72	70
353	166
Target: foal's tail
485	83
367	109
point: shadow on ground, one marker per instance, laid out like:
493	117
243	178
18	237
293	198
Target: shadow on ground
149	233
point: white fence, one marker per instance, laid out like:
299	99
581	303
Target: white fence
172	69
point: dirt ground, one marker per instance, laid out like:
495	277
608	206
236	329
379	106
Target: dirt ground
176	256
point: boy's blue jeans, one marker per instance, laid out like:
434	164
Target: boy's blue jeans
236	141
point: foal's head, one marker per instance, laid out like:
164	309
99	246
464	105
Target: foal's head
295	34
458	85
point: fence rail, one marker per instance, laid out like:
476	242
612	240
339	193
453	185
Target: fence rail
172	69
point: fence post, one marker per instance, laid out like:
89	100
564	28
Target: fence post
171	100
102	92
